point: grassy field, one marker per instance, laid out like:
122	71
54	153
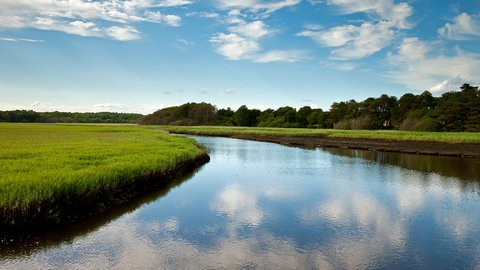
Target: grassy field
378	134
39	164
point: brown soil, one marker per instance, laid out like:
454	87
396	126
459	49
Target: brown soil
471	150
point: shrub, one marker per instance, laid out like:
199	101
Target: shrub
427	124
408	124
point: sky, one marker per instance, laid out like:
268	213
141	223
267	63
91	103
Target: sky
138	56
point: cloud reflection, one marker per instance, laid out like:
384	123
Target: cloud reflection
240	206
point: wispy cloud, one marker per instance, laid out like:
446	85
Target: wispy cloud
86	18
21	39
204	14
256	6
418	68
203	91
464	27
166	92
356	42
341	66
379	10
186	42
229	91
244	42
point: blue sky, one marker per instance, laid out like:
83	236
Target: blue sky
143	55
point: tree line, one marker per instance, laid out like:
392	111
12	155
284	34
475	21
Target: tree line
29	116
453	111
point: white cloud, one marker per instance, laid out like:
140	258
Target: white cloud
307	100
203	91
464	27
254	29
256	5
417	69
85	17
229	91
172	20
204	14
234	47
157	17
378	9
355	41
314	2
21	39
243	43
172	3
440	87
411	50
122	33
186	42
340	66
279	55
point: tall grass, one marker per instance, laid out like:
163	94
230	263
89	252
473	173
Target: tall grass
377	134
44	164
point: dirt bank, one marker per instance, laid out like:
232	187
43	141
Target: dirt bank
467	150
403	146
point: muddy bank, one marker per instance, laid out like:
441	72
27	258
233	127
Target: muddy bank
402	146
67	209
467	150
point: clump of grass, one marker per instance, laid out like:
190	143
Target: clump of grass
43	166
469	137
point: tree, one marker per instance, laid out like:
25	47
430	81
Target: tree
302	115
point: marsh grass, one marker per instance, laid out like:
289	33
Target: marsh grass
453	137
44	167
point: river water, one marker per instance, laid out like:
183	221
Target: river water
259	205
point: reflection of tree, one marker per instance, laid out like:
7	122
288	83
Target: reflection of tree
466	170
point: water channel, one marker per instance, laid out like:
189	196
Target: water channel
260	205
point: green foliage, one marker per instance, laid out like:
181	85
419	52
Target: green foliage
23	116
454	111
381	134
187	114
427	124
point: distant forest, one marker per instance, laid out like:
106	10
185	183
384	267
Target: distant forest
453	111
66	117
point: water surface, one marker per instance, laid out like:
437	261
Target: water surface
262	205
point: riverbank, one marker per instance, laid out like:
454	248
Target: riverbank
456	145
467	150
60	173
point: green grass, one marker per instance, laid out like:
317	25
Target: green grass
378	134
41	163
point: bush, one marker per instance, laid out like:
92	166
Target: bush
427	124
345	125
408	124
361	123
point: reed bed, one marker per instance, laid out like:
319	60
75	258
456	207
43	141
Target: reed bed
453	137
42	166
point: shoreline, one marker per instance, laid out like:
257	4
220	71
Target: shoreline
456	149
66	209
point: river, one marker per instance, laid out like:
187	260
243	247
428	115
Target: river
259	205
